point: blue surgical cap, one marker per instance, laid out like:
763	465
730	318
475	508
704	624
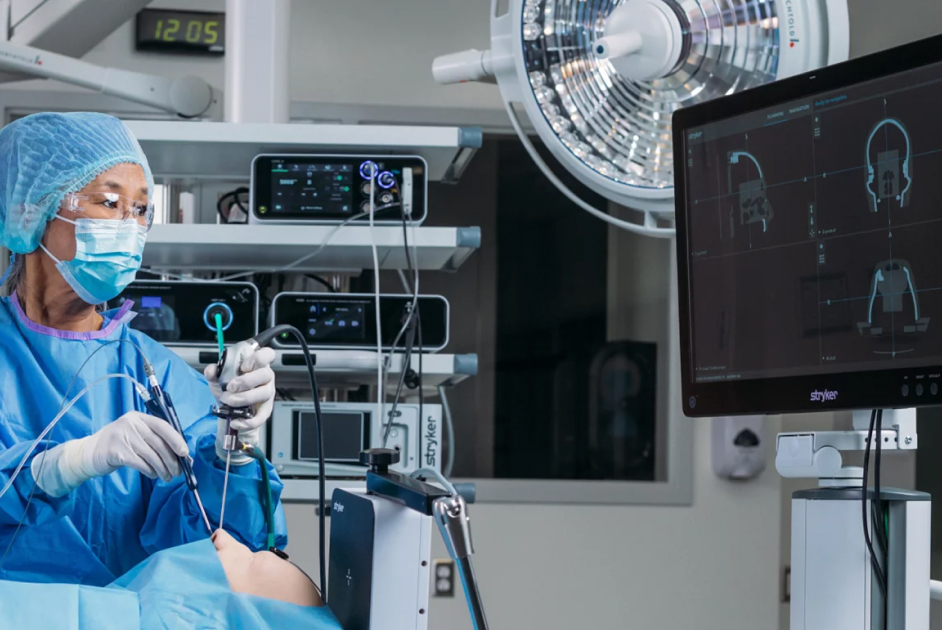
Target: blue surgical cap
44	157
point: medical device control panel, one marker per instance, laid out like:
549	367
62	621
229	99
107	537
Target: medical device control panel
349	428
330	189
808	231
183	312
348	320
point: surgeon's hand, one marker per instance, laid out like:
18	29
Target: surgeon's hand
145	443
255	387
136	440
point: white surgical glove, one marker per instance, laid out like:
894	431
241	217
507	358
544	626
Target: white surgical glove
136	440
255	387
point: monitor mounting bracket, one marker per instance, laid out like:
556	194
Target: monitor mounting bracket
817	454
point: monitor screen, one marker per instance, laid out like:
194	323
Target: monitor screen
311	188
349	320
182	313
335	188
344	436
809	219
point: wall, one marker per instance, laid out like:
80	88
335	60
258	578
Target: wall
877	24
396	67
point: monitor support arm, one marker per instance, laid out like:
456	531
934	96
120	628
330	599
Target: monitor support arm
817	454
187	97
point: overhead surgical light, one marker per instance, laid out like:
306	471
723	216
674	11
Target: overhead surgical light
599	79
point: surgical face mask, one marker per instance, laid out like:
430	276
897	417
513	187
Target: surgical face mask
107	257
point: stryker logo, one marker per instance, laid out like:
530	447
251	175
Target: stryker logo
431	444
790	15
825	396
338	507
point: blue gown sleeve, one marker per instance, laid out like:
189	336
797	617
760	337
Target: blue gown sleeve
43	508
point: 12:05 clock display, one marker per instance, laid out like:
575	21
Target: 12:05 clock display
181	31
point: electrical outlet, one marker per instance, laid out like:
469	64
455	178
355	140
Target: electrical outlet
443	576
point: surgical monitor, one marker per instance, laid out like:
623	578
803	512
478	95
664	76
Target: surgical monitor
809	240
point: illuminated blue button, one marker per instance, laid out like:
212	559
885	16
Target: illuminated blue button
386	179
368	169
214	308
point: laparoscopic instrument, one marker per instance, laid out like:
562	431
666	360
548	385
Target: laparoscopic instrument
161	406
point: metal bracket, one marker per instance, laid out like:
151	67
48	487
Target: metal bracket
817	454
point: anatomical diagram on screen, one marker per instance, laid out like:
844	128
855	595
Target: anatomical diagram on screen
815	234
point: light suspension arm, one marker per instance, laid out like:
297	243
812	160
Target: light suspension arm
187	97
464	66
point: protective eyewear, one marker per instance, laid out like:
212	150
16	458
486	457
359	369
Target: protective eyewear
109	205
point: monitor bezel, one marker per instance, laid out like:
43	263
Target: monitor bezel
891	388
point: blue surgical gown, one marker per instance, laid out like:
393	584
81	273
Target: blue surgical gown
109	524
184	588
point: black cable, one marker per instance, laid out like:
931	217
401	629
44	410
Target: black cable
404	369
418	317
323	281
878	513
234	194
877	569
412	322
322	472
409	265
222	215
238	202
413	267
263	339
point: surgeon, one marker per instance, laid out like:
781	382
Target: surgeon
104	490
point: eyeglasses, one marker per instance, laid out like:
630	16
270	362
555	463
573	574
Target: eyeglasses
109	205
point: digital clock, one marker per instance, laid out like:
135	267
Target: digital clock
171	31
